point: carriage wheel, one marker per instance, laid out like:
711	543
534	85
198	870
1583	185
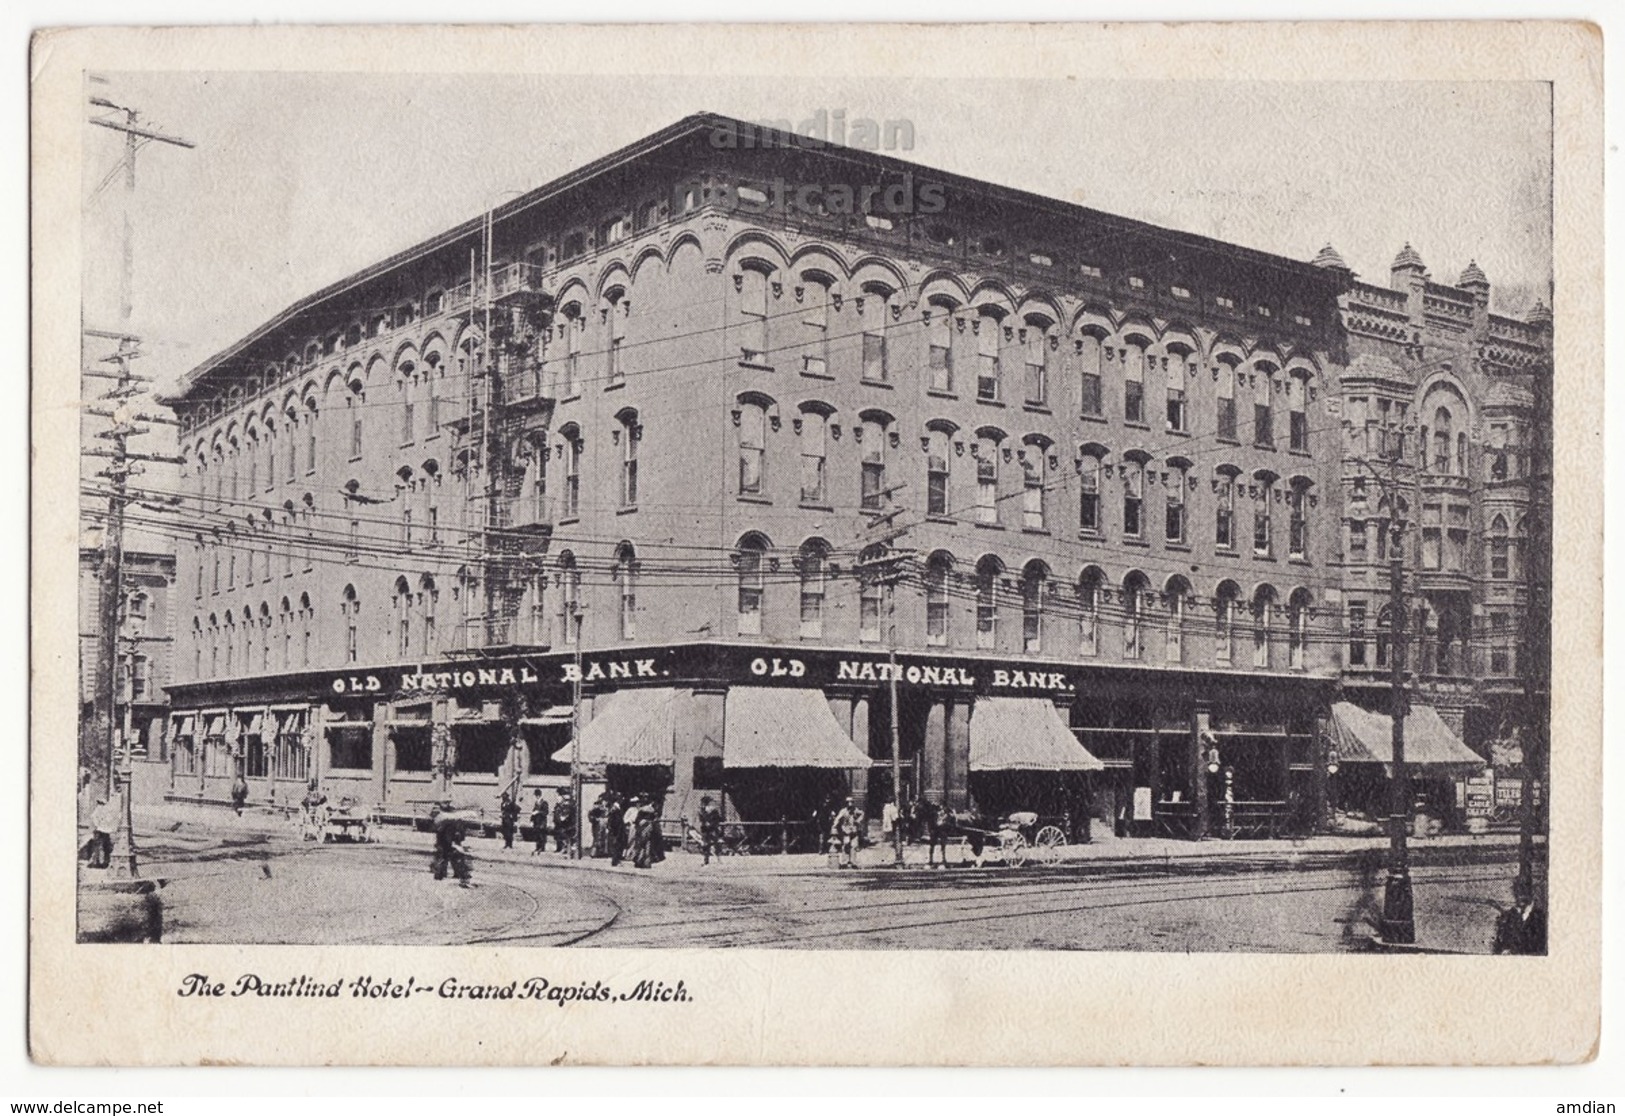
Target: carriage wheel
1048	844
1014	849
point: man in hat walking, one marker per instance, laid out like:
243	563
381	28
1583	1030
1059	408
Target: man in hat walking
846	830
538	821
564	823
710	829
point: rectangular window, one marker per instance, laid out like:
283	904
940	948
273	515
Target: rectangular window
1356	635
1300	431
1500	649
873	489
1224	524
1032	492
1432	558
869	608
1297	526
987	613
814	430
1263	416
355	429
408	425
1263	541
812	600
815	359
349	749
629	465
1176	396
1174	514
1499	564
1357	542
1455	554
617	337
936	481
750	592
575	328
572	478
936	607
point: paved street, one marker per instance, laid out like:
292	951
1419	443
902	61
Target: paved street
251	880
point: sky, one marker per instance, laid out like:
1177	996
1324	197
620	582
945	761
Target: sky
298	180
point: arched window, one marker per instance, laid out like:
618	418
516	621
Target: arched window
197	648
1263	522
752	447
987	448
1090	519
987	602
630	434
1175	595
1520	548
570	619
574	326
1385	630
353	402
1500	563
229	639
939	331
1263	406
616	309
1034	480
815	317
1297	500
626	589
1089	348
1442	440
814	444
874	431
751	561
214	645
1036	354
1225	393
988	373
1134	499
1226	603
250	629
285	618
1263	611
1178	364
571	450
810	563
307	615
874	308
1298	412
1298	610
350	607
1133	356
871	597
428	604
535	605
1136	597
938	570
1173	518
938	476
403	617
752	283
265	637
1091	587
1034	587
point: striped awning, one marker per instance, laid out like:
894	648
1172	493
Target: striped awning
1024	734
630	728
552	715
185	724
1361	736
765	726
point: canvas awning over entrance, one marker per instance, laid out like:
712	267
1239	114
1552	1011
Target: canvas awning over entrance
1024	734
631	728
1361	736
552	715
768	727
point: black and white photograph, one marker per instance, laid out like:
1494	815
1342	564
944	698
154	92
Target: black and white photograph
878	513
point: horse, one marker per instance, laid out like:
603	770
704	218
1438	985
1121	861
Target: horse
942	825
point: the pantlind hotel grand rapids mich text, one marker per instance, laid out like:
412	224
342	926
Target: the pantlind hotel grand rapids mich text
623	435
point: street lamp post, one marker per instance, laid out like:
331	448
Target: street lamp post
575	739
1398	919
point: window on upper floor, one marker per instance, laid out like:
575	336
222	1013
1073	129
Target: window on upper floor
752	448
988	446
1133	357
751	563
875	303
938	476
939	331
988	371
1090	469
1225	394
874	431
1036	362
1089	350
811	568
753	336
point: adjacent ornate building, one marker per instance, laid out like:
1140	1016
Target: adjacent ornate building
662	427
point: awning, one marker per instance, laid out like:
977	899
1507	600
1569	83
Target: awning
340	726
1024	734
1361	736
632	728
254	725
216	725
553	715
185	725
768	727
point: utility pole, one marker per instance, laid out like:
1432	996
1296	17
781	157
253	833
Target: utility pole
1535	653
575	737
885	565
107	729
1398	923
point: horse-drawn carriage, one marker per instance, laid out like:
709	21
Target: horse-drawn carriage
1012	840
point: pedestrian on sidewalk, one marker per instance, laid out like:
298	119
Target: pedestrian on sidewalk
313	809
510	818
1521	928
538	822
598	818
710	829
103	820
564	823
239	793
628	826
643	832
846	831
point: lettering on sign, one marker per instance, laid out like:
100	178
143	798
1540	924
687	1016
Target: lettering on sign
778	668
593	670
1030	680
463	679
850	671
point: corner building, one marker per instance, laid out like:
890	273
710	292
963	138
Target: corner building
668	417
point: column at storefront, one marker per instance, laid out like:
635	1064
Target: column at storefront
697	748
1203	749
957	795
934	754
852	714
1318	756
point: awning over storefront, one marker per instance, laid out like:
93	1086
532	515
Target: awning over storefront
1361	736
185	725
1024	734
553	715
632	728
770	727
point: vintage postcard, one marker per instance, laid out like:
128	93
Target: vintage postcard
1023	544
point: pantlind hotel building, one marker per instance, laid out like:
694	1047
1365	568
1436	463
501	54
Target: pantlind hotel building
704	374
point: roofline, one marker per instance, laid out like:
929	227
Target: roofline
686	126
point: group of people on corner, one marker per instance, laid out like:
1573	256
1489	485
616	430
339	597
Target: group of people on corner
562	827
627	828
